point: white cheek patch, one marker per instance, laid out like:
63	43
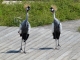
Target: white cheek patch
52	9
26	8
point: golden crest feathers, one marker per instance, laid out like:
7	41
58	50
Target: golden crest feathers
26	5
54	7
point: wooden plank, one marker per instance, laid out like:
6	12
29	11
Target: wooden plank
68	46
40	52
7	47
76	52
12	43
47	52
72	52
62	51
37	45
2	28
50	53
6	31
36	42
78	58
8	35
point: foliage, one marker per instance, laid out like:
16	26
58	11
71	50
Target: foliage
79	29
40	13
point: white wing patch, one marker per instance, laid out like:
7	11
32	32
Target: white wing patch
52	27
60	28
29	28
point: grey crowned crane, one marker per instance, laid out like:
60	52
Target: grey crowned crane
56	27
24	29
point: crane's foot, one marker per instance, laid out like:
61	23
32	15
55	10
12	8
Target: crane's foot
56	48
20	49
59	45
24	52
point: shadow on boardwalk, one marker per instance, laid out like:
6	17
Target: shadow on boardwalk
44	48
12	51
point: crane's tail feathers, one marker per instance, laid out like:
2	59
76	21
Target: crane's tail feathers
54	7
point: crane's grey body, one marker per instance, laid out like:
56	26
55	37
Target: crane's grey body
56	29
56	25
24	31
25	26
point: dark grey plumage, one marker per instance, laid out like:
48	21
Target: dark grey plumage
24	29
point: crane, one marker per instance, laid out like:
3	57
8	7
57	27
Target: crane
24	29
56	27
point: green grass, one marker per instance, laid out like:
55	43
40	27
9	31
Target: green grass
40	13
79	29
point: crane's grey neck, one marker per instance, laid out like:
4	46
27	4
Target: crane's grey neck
54	15
27	16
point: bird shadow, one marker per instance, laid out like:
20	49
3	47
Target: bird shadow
44	48
18	51
12	51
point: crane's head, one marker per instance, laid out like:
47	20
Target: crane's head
27	7
53	8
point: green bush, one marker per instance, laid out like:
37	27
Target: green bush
40	12
78	29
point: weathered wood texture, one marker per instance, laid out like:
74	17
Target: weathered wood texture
40	45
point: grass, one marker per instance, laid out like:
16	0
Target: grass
79	29
40	13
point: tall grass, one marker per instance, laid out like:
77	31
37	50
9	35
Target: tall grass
40	13
78	29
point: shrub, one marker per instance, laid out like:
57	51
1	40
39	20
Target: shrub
40	13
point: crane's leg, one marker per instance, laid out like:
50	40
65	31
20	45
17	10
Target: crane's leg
58	43
58	47
21	46
55	44
24	46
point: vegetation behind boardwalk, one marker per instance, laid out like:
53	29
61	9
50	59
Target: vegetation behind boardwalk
40	12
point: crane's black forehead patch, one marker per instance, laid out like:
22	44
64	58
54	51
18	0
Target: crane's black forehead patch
51	9
28	7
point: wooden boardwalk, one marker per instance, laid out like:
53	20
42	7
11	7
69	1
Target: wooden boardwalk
40	45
